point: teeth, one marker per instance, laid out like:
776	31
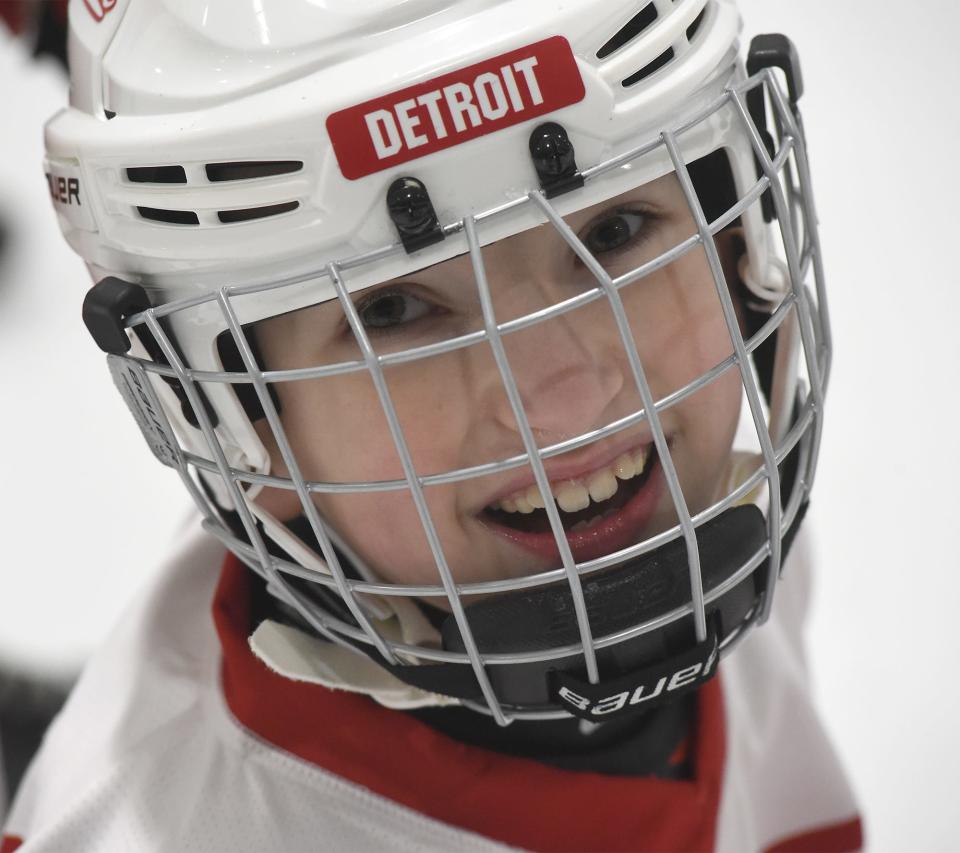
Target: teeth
524	506
534	498
624	467
573	495
640	459
602	485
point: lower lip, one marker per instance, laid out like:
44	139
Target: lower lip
607	536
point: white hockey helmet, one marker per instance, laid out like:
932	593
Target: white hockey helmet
220	165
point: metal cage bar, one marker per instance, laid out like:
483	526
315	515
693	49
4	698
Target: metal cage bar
649	405
811	231
748	380
530	445
268	568
289	458
807	330
416	491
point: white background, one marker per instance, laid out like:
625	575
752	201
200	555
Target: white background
84	509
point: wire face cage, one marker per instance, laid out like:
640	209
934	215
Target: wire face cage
477	546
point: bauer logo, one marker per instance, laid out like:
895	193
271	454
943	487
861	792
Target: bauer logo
639	691
64	190
455	108
66	187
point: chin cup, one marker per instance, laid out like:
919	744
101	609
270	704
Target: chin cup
637	674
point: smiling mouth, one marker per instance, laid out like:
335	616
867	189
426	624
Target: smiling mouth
601	514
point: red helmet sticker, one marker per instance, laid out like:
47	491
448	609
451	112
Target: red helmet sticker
455	108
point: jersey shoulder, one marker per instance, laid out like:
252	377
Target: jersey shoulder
146	755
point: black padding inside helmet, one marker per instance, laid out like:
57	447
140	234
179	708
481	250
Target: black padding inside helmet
232	362
642	589
713	180
150	344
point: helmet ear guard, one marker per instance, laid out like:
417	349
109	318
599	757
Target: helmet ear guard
232	362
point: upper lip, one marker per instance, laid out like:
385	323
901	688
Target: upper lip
570	467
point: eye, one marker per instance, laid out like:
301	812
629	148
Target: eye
386	309
614	232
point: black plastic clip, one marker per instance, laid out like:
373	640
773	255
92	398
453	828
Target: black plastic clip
773	50
411	210
555	160
105	307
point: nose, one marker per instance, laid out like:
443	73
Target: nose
567	370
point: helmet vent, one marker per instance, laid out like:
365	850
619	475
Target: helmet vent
246	214
636	25
171	217
244	171
692	29
157	175
652	68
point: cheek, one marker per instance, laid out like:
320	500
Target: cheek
681	335
339	433
385	530
337	425
678	324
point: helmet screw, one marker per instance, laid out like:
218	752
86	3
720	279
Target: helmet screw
411	210
554	159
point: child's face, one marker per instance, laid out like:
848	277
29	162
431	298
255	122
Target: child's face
572	373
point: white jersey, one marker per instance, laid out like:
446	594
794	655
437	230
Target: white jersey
177	738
